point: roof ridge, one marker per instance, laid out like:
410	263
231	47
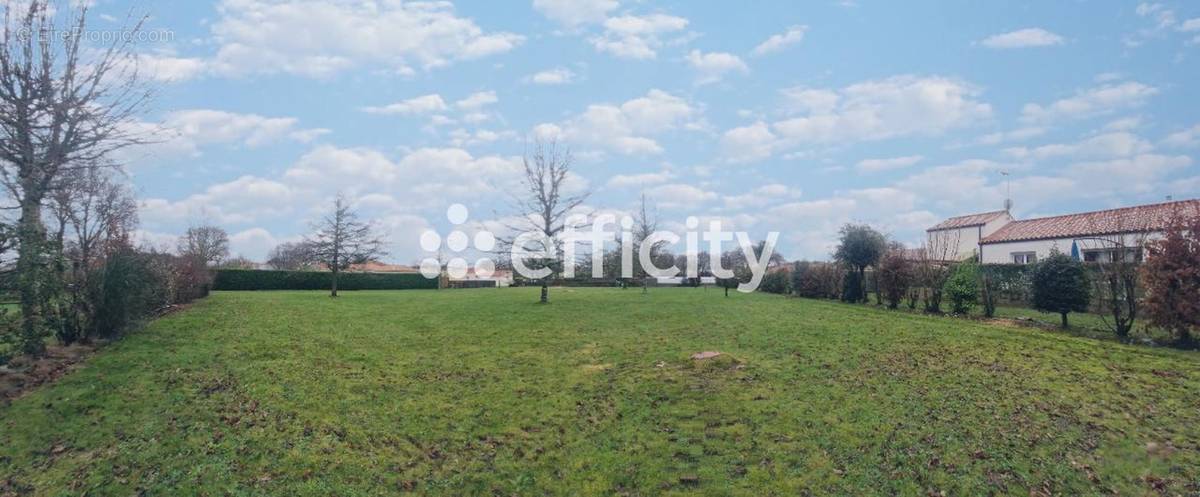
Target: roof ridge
1115	209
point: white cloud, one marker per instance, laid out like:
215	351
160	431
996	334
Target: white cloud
1091	102
628	128
1140	174
871	110
1115	144
243	200
417	105
477	100
637	37
711	67
639	180
169	68
556	76
876	165
748	143
761	197
1016	135
253	243
681	196
1185	138
777	42
572	13
1023	38
319	38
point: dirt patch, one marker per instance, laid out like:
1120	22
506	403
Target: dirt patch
23	374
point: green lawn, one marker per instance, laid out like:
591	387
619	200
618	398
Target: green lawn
484	392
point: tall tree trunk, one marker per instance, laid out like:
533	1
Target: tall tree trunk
545	292
1064	320
30	275
333	290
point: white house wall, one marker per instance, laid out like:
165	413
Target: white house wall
967	238
1001	253
995	224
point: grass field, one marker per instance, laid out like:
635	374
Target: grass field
485	392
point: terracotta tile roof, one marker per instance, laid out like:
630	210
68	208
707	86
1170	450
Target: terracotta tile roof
379	267
967	220
1135	219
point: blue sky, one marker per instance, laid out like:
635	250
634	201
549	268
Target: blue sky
771	116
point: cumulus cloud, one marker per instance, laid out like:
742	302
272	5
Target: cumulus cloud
477	100
556	76
1091	102
627	128
871	110
681	196
573	13
1138	174
637	37
1023	38
777	42
638	180
711	67
1185	138
1115	144
319	38
876	165
417	105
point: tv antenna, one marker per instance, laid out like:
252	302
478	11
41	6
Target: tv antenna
1008	203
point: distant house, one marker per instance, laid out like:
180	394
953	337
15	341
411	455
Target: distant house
1091	236
379	267
959	237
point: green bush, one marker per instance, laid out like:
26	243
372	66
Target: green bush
852	288
776	281
249	279
962	288
1060	285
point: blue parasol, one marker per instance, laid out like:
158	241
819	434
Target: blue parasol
1075	250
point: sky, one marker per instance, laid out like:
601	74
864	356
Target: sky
784	116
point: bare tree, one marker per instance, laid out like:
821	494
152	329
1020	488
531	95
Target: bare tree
290	256
932	268
92	210
207	245
543	206
94	215
63	105
645	223
1115	258
341	240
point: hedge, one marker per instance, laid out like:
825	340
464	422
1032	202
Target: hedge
250	279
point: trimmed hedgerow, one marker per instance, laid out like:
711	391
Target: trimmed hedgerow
249	279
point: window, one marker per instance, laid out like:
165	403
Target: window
1024	257
1110	255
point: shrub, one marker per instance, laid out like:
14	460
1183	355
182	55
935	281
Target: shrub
962	288
852	287
860	246
1060	285
777	281
798	275
1171	276
894	278
244	280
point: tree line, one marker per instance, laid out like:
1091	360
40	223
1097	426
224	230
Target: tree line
1162	290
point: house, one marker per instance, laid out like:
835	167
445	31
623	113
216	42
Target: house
958	238
995	237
